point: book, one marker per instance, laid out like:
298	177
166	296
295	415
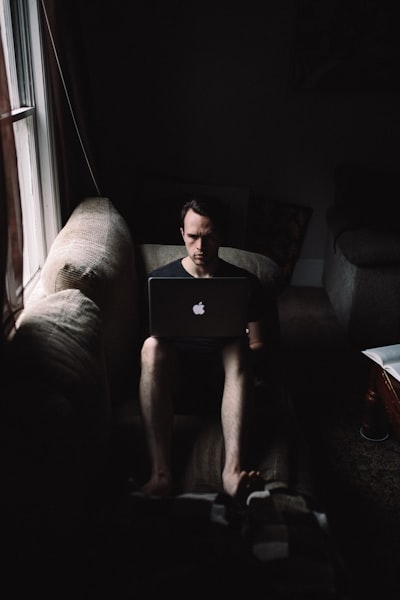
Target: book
388	357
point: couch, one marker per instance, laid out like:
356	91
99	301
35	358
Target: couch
362	264
73	436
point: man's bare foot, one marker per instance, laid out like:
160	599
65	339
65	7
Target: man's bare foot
158	485
240	485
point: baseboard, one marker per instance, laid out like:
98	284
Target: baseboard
308	272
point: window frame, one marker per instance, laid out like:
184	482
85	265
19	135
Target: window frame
31	100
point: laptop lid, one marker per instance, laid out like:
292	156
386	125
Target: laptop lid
199	307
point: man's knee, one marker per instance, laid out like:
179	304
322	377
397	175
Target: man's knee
235	357
156	351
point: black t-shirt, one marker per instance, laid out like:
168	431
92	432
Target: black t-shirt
256	305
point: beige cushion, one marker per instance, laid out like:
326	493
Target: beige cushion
156	255
62	336
268	451
95	254
58	348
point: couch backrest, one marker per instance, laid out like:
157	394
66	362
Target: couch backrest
151	256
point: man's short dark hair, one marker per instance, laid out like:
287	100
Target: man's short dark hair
207	207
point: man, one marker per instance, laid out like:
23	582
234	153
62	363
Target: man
165	360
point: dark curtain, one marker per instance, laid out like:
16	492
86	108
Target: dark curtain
69	83
11	238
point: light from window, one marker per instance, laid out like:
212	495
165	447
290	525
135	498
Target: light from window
23	51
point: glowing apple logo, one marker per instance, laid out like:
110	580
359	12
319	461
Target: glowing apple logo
199	308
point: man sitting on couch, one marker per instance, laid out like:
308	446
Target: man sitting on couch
166	363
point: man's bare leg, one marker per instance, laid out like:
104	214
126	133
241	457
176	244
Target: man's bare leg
158	365
236	409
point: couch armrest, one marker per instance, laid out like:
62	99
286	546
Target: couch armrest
57	408
94	253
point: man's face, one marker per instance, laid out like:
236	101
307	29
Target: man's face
201	239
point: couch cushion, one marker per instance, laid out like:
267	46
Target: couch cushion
156	255
59	346
57	405
265	268
94	253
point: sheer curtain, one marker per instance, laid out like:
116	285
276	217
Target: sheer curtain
10	215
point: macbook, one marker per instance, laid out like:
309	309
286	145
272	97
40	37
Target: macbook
199	307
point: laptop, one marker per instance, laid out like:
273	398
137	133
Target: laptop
198	307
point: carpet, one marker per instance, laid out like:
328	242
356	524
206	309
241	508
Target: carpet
358	480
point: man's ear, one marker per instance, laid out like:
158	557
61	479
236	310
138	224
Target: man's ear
182	232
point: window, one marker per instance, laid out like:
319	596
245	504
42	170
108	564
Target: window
23	51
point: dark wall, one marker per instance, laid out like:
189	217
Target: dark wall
209	96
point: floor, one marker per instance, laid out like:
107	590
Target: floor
359	480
